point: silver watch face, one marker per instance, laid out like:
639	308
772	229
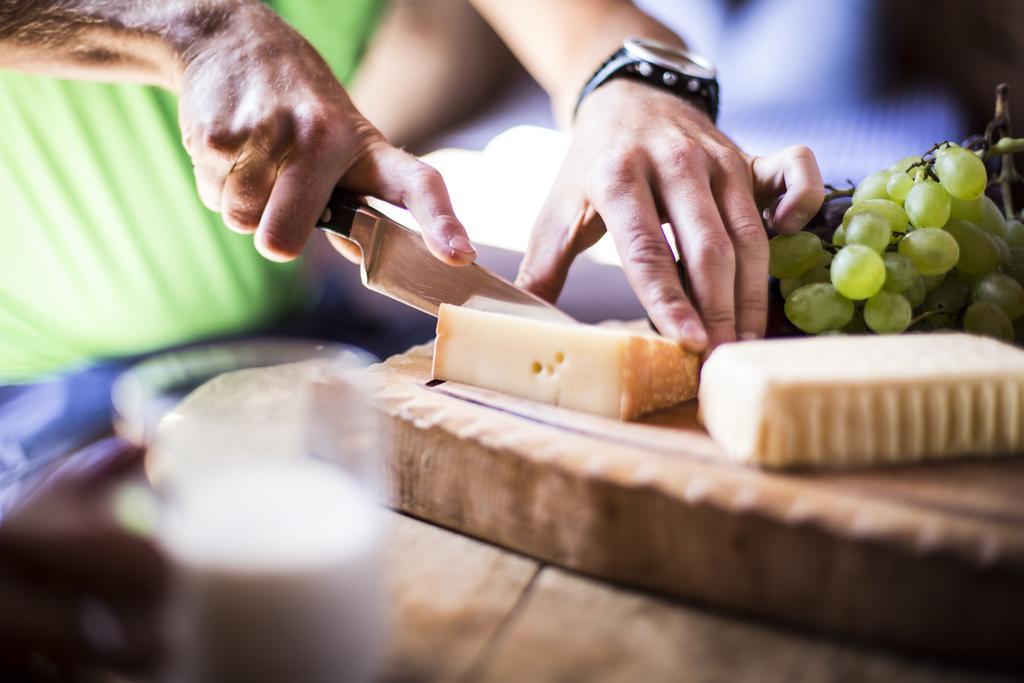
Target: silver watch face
670	57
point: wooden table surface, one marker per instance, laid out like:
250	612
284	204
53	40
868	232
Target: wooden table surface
465	610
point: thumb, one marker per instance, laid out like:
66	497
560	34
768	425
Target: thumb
793	175
559	235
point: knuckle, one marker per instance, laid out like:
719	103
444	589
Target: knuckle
314	126
280	242
682	154
620	168
750	303
732	162
749	232
801	153
220	138
666	296
243	217
712	255
425	178
718	316
645	249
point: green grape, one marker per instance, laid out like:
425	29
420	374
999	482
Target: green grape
900	273
985	318
790	284
856	324
915	293
1018	330
857	272
872	187
950	296
1015	233
887	313
932	250
992	220
966	278
826	258
961	172
839	237
1003	291
1017	255
818	307
978	253
970	210
898	186
870	230
793	255
892	211
904	164
1016	271
1005	256
932	281
927	205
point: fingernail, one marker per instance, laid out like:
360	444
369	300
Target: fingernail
749	336
462	245
692	332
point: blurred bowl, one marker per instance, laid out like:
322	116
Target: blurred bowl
147	391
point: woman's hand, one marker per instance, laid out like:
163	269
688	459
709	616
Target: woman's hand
271	132
641	157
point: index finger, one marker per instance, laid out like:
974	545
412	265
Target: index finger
705	248
401	179
627	207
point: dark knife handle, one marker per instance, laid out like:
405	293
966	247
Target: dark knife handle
340	213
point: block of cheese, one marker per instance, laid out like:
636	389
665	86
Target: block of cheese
861	400
612	372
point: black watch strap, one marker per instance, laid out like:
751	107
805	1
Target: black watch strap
623	64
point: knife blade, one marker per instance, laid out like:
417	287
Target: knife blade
397	263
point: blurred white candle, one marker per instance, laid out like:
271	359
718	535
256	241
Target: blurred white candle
278	565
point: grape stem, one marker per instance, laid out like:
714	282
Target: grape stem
836	192
928	160
1004	146
999	141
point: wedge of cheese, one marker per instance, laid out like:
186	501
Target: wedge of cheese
612	372
846	401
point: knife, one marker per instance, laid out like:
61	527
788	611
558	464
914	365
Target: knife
396	263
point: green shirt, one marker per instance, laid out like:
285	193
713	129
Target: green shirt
105	248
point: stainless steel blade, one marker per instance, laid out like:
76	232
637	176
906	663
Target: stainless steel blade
398	264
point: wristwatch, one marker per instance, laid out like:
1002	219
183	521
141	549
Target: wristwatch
682	73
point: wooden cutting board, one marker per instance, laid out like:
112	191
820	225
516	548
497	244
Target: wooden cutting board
927	558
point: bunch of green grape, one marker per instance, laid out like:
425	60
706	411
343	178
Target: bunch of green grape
920	248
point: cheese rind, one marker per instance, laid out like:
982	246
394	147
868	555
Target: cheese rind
606	371
851	401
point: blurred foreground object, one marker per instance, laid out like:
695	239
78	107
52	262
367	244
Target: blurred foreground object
271	523
81	580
